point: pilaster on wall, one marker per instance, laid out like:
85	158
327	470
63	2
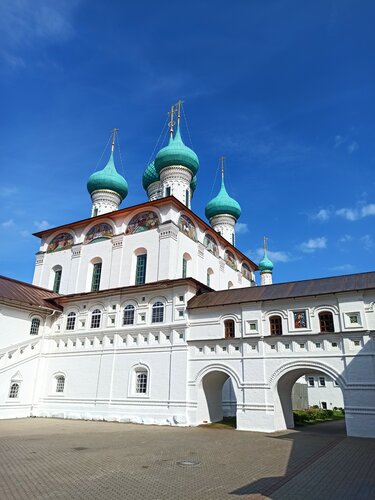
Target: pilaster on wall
168	266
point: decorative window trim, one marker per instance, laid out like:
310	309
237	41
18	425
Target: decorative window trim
347	321
132	389
97	312
249	330
33	329
71	321
292	327
55	384
158	301
128	307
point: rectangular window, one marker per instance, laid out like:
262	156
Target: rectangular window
168	191
324	405
140	273
208	279
322	381
57	281
229	328
96	274
184	268
141	383
187	198
310	381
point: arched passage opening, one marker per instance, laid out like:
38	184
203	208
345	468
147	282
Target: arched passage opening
304	388
216	397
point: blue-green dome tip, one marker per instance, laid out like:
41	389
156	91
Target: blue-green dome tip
265	265
149	176
176	153
108	178
223	204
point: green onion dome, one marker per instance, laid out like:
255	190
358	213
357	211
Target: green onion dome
265	265
193	184
108	178
176	153
223	204
149	176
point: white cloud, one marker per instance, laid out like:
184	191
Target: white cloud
367	242
338	141
323	215
277	256
24	233
41	225
6	191
353	146
25	22
7	224
344	268
313	244
345	238
241	228
353	214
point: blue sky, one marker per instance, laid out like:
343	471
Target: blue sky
284	89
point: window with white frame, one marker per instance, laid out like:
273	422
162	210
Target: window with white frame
322	381
14	390
60	383
311	381
71	321
157	312
96	317
141	381
128	318
353	320
35	324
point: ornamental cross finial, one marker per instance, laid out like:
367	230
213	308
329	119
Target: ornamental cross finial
222	159
171	123
114	132
265	243
178	105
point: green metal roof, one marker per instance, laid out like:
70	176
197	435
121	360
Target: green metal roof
223	204
108	178
149	176
176	153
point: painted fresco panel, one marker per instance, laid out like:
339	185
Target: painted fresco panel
62	241
187	227
211	244
230	259
143	222
300	320
99	232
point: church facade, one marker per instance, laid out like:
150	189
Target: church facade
149	314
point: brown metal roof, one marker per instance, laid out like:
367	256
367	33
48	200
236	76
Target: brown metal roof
294	289
25	293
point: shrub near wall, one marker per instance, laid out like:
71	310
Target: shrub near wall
315	414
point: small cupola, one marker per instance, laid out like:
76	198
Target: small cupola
107	187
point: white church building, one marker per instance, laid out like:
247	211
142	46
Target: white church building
150	314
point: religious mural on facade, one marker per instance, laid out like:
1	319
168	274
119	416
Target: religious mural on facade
230	259
300	320
187	227
99	232
245	270
211	244
143	222
60	242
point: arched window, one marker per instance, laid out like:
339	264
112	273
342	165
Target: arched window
326	322
96	275
185	264
57	279
140	271
276	327
14	390
229	328
96	317
230	285
60	383
35	324
157	312
141	380
128	318
71	321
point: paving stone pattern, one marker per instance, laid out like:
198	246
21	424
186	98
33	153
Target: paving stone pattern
66	459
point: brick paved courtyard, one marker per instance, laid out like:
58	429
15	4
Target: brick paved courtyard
63	459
